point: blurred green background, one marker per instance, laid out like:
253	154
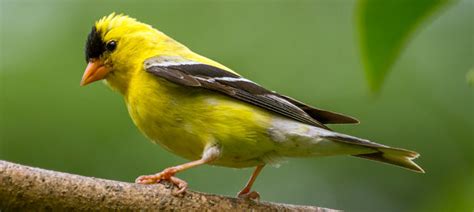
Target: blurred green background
305	49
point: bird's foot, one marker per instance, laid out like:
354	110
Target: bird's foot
249	195
168	175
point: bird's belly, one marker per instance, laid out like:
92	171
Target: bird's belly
177	140
170	134
186	128
180	138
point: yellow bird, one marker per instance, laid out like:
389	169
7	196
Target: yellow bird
205	112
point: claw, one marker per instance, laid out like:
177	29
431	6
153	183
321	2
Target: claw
209	155
252	195
181	184
148	179
168	175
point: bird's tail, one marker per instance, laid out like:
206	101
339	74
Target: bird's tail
385	154
398	157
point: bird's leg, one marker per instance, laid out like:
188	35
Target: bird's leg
246	192
209	155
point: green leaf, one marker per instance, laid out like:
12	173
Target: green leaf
385	26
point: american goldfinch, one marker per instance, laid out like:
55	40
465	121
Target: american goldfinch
209	114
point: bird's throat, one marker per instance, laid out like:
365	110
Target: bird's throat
118	81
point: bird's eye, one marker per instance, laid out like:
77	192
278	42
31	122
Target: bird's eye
111	45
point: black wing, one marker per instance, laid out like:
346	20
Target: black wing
323	116
189	73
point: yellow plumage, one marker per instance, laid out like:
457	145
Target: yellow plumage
210	124
183	121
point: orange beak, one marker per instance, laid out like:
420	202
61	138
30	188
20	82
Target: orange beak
95	70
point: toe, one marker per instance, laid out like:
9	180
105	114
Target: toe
181	184
253	195
147	179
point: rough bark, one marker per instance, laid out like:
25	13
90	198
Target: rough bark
28	188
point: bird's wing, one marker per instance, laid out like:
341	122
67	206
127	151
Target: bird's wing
194	74
323	116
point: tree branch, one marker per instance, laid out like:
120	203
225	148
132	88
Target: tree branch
23	187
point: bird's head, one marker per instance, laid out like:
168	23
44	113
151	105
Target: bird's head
116	47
